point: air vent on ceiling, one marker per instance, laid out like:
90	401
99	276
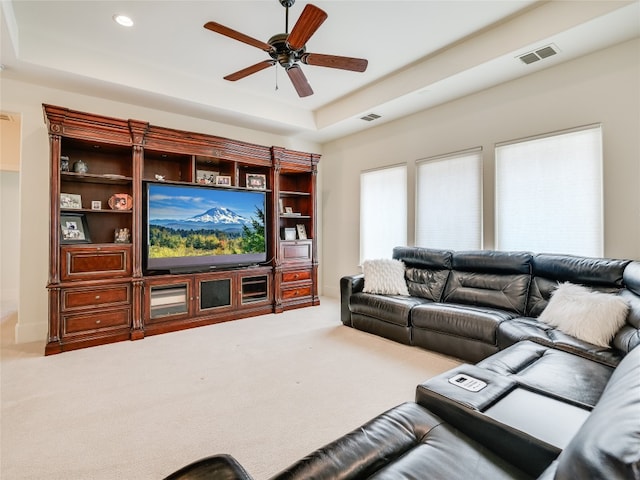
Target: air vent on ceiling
539	54
370	118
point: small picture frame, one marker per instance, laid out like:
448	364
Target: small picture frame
206	177
256	181
289	234
73	228
70	201
281	206
223	180
122	235
302	231
288	210
96	205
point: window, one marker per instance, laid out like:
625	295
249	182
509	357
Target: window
549	193
449	201
383	211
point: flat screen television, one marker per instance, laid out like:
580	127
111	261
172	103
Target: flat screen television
191	228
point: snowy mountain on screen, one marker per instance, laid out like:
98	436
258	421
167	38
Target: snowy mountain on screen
216	218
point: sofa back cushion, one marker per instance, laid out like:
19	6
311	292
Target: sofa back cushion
426	271
490	278
606	446
601	274
628	337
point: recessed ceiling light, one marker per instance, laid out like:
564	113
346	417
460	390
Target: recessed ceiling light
123	20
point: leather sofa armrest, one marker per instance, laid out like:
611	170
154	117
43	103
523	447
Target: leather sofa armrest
349	285
216	467
465	411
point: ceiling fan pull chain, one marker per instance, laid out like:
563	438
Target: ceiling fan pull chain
276	78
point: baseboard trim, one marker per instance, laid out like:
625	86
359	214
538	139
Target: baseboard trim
30	332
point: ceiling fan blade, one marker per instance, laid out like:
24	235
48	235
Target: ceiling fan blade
228	32
245	72
309	21
299	81
334	61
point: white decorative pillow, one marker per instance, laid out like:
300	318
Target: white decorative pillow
594	317
384	276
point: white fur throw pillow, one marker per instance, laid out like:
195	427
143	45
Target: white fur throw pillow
385	277
594	317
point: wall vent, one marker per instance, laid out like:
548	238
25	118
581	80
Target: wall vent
539	54
370	118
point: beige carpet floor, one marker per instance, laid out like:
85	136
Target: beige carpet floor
267	390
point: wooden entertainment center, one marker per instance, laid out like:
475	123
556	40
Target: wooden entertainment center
98	289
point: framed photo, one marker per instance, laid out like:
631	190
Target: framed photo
288	210
73	228
289	234
281	205
70	201
223	180
96	205
302	232
206	177
256	181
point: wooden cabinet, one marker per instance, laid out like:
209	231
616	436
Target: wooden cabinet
98	290
175	302
297	262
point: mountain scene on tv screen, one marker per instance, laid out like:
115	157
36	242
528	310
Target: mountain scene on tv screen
193	222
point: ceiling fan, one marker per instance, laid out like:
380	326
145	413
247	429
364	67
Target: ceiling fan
288	49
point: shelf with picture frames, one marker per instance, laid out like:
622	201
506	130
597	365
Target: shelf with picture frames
99	291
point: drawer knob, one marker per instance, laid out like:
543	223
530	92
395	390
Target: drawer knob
97	297
97	322
296	276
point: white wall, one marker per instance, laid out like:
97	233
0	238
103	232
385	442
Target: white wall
601	87
27	100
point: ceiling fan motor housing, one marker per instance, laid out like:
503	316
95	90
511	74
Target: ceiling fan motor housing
282	53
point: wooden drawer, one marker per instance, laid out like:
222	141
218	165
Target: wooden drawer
73	298
98	261
297	276
290	293
296	251
90	321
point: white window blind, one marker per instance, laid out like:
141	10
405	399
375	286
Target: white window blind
449	201
549	193
383	211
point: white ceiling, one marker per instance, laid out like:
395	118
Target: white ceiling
420	53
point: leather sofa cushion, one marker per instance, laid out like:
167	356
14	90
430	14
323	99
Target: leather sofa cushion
404	442
507	292
427	270
559	374
527	328
602	274
426	283
389	308
478	323
628	337
575	269
428	258
492	261
607	444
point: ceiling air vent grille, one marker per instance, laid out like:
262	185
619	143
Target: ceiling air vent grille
370	118
539	54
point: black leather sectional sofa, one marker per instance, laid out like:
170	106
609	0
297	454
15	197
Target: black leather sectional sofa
532	401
